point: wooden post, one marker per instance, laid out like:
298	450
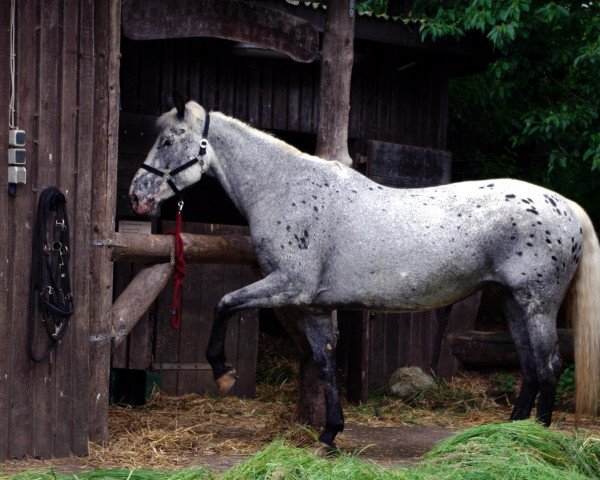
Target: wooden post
311	399
462	317
137	298
332	144
334	89
107	36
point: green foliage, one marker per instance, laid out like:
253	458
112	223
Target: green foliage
534	112
377	7
505	383
566	382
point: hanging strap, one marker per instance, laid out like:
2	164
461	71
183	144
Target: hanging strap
178	269
50	284
177	258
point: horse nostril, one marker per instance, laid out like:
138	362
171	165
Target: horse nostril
135	201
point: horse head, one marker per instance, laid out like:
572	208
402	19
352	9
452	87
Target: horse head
178	158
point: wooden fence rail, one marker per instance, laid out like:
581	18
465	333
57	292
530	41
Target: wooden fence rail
229	249
149	282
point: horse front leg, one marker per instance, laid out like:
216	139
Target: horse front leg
318	329
271	292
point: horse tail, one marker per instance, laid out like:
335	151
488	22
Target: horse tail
584	315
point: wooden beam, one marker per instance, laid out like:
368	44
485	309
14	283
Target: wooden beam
137	298
240	21
107	38
391	31
228	249
496	349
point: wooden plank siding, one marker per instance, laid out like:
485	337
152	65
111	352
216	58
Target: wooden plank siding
396	97
45	407
6	341
179	355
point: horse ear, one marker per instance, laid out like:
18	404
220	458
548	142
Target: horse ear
169	101
179	104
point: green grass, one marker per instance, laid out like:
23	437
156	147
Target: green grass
515	450
200	473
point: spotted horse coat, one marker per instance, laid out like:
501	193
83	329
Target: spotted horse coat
327	237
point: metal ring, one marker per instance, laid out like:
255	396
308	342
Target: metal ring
57	246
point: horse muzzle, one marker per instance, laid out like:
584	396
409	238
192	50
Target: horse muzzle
144	206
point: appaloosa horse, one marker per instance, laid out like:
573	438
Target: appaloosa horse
327	237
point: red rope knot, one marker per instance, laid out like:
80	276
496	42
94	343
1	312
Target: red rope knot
178	270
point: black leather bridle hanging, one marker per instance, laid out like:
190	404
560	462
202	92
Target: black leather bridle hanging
50	284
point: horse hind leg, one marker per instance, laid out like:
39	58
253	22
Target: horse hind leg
530	387
535	337
548	362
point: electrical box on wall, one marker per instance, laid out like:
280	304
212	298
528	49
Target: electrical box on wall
17	159
16	138
17	175
17	156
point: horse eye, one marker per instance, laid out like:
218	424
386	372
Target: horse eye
167	143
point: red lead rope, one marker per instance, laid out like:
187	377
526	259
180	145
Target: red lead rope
178	271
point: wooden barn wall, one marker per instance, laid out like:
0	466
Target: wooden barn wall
44	407
395	96
179	355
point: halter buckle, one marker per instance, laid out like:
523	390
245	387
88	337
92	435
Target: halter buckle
203	146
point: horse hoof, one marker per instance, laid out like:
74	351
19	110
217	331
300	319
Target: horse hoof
324	450
226	381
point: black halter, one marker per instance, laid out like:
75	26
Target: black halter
168	176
